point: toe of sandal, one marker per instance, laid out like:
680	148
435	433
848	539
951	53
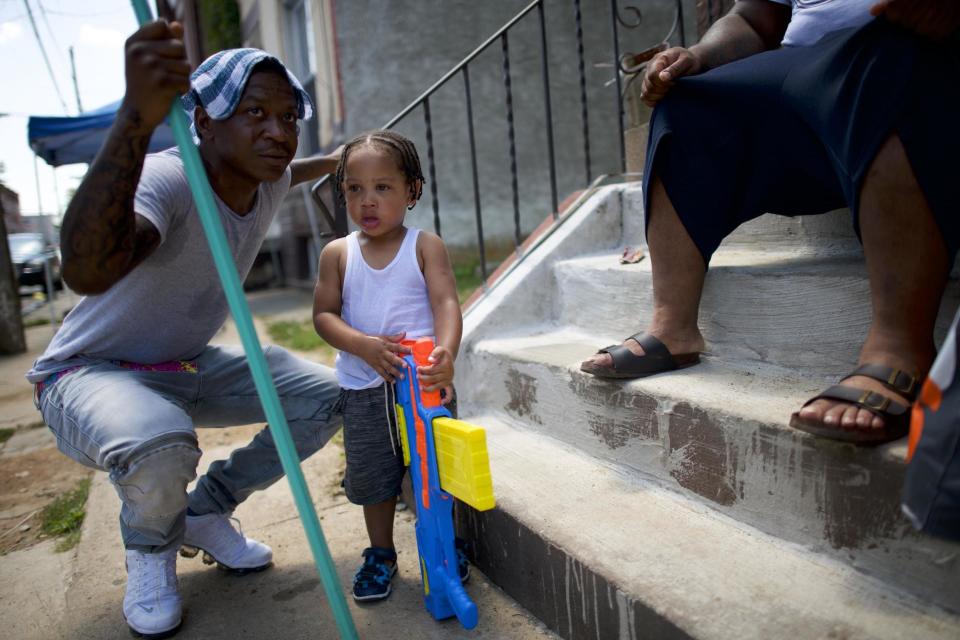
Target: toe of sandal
895	415
655	359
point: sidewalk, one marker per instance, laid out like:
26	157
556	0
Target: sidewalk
78	594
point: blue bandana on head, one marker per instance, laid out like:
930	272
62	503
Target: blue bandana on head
219	81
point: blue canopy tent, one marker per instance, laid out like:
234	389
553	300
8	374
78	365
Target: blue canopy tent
61	140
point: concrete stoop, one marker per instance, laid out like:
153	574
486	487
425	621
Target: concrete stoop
683	505
783	305
595	553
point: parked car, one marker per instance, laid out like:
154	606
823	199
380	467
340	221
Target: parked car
28	251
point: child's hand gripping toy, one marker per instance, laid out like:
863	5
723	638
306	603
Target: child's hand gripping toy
448	459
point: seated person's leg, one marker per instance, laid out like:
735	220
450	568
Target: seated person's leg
715	160
678	270
891	115
908	263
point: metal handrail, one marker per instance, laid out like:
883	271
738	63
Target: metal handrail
337	221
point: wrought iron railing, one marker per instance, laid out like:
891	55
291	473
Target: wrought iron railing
626	64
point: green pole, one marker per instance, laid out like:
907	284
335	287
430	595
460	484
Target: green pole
227	269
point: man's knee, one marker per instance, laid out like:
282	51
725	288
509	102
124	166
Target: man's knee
152	478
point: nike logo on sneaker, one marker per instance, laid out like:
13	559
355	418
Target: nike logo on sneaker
145	608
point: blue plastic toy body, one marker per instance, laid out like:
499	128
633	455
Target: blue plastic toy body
443	593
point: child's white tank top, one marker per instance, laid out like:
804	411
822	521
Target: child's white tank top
382	302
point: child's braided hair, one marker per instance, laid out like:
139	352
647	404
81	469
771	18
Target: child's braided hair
399	147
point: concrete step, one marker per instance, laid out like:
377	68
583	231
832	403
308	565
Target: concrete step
719	433
596	553
808	312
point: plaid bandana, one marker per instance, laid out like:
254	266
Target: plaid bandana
219	81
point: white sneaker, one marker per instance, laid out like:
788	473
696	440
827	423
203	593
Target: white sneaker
215	535
152	605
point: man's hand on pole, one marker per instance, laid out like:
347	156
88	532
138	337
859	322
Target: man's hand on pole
157	71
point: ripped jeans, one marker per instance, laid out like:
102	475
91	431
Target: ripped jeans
138	425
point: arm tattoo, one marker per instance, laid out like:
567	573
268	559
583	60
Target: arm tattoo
102	240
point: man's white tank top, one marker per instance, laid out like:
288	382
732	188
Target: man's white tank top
382	302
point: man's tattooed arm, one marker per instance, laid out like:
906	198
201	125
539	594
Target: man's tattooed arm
102	238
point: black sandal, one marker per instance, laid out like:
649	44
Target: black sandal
896	416
656	358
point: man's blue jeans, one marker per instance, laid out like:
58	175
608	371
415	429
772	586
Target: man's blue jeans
139	427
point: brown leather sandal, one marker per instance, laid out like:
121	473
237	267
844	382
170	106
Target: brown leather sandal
656	358
896	416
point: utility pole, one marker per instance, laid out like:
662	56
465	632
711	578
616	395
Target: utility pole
12	339
73	73
43	50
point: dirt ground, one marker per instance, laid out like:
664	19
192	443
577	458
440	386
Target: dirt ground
32	472
30	481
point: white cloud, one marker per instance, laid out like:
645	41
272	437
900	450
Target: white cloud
10	31
101	36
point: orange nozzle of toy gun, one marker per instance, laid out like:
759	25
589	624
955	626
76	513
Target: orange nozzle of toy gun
422	348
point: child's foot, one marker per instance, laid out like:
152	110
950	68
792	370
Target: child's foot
372	581
463	563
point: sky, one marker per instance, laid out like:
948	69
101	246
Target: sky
96	29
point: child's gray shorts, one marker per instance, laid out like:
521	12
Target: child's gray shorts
372	443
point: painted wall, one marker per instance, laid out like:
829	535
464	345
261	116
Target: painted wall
392	51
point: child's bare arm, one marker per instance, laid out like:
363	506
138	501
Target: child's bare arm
447	319
380	352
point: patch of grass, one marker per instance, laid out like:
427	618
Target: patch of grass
466	264
38	321
300	335
63	517
295	334
468	278
5	434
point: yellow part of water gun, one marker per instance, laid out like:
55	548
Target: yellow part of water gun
462	460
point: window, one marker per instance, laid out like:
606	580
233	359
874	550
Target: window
301	58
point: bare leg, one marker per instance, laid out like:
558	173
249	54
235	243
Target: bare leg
678	273
908	266
379	520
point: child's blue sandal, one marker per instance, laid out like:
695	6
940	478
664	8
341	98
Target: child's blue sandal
372	581
463	563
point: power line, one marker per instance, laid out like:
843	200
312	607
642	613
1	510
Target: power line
53	36
73	74
46	58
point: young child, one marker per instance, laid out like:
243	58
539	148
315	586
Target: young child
377	286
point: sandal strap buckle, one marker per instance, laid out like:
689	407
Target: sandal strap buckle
873	401
907	386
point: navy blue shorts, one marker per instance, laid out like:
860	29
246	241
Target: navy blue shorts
793	131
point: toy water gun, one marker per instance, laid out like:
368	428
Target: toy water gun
448	459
